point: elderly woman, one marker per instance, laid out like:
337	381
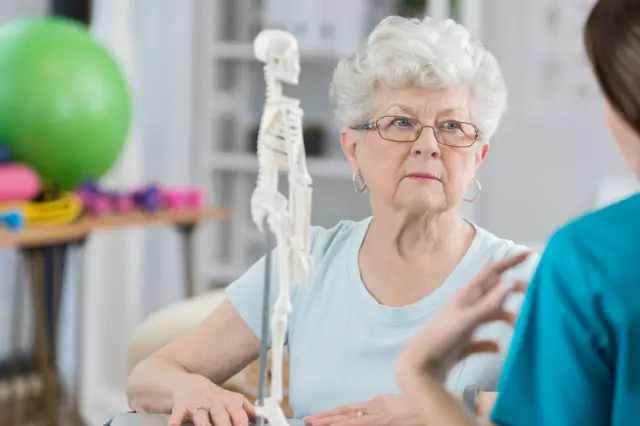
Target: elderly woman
418	105
574	358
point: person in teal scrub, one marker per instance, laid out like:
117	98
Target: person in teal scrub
574	358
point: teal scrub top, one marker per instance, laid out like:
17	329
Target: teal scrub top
575	356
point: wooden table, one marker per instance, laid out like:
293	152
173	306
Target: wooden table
45	247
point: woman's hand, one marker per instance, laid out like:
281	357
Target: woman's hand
200	401
484	404
383	410
448	337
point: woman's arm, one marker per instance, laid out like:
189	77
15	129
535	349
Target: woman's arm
434	404
448	337
222	345
217	349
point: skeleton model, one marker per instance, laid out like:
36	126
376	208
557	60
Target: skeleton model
280	148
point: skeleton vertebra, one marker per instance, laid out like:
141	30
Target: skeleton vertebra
281	148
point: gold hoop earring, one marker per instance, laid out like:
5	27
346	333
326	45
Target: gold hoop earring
359	185
476	183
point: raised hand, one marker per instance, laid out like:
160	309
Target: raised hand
448	337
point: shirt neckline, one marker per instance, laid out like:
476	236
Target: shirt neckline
419	309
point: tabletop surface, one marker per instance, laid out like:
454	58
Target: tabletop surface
131	419
38	236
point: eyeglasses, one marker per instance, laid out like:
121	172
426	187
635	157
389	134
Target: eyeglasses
403	129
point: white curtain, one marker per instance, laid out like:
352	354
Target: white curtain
113	274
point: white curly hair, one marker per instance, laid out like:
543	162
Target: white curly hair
409	52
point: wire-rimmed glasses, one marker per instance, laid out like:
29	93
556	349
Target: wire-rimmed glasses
396	128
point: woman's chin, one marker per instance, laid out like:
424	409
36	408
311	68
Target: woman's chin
425	205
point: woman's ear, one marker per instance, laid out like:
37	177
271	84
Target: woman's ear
481	153
349	139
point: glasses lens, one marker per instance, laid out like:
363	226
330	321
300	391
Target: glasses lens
399	129
454	133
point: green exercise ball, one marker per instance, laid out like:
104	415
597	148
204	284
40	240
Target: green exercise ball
65	106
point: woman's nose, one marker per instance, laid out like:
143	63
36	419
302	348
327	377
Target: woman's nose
426	144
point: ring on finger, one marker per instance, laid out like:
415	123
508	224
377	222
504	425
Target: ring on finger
203	408
362	412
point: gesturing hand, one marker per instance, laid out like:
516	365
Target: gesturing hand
200	401
383	410
447	337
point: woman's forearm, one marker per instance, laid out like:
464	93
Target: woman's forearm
434	404
152	382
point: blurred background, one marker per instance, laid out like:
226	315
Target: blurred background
198	98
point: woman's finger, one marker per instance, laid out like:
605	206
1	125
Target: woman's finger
343	409
328	421
480	346
238	416
219	416
489	278
475	290
495	298
201	418
178	416
502	316
503	265
250	409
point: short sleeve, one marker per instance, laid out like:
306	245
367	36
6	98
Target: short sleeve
246	293
558	371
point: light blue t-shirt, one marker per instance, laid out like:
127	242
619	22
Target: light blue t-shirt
342	343
575	356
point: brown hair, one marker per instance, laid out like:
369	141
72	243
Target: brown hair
612	41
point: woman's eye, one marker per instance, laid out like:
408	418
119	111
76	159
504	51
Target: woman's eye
450	125
401	122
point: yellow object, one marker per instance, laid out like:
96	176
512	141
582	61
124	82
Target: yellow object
59	211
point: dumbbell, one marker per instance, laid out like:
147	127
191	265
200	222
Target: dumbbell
91	187
12	220
121	203
98	205
148	199
183	199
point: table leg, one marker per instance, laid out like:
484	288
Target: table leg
13	412
35	259
75	394
55	262
187	233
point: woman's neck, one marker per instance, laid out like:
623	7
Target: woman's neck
414	236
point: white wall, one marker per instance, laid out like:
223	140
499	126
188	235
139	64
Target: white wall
540	171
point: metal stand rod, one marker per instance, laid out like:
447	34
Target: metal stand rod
16	411
264	340
187	233
75	396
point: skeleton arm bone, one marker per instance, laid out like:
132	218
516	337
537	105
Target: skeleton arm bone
300	192
266	202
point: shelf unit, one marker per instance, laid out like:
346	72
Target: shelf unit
230	96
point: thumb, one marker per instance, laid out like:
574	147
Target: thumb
250	409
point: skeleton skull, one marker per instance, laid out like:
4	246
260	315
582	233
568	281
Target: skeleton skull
279	51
